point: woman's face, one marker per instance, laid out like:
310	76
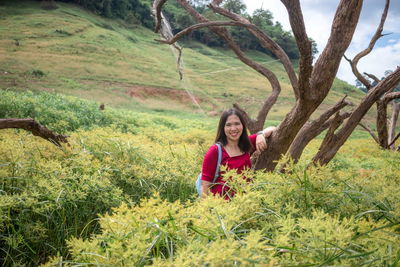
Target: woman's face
233	128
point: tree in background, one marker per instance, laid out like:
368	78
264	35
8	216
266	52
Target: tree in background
133	11
235	6
310	85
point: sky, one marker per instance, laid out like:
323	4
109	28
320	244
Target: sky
318	16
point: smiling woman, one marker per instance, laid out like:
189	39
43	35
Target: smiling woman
236	148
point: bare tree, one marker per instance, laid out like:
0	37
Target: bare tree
313	81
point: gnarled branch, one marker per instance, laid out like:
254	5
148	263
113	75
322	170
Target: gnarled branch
373	77
390	96
378	34
189	29
393	121
265	42
394	140
157	6
312	129
303	42
35	128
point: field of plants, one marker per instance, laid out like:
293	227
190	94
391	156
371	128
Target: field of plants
122	194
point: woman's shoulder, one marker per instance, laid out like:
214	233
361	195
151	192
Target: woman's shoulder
213	149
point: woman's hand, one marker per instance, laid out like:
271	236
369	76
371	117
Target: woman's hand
261	142
205	189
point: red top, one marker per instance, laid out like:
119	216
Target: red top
239	163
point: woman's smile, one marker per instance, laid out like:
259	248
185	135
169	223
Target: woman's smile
233	128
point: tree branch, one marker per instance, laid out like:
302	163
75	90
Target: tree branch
157	6
265	42
35	128
330	148
189	29
393	121
394	140
303	42
373	77
370	131
375	37
312	129
390	96
329	138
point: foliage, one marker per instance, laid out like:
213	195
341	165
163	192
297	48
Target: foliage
49	195
317	217
133	11
123	193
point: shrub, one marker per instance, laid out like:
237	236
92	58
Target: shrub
322	216
38	73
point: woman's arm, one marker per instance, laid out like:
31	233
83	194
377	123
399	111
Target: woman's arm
205	189
208	170
261	143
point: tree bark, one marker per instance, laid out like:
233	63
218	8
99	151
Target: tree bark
35	128
381	124
393	121
381	119
312	129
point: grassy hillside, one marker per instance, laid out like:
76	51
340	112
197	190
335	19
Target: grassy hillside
74	52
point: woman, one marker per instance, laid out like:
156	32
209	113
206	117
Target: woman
236	149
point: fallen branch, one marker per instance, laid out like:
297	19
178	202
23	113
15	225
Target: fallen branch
35	128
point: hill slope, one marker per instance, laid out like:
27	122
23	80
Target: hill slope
74	52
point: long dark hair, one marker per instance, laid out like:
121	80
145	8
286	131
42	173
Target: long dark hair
244	143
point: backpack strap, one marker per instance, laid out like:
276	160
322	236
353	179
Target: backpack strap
218	162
